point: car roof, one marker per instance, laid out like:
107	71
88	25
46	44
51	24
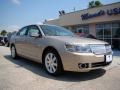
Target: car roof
40	24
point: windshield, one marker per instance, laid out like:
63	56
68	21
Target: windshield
50	30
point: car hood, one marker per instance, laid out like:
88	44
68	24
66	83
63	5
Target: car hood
77	40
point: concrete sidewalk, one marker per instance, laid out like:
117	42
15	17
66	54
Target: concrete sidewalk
23	74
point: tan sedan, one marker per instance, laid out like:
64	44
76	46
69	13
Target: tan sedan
58	49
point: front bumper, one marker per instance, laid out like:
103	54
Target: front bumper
71	61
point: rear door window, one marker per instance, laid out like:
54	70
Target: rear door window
23	32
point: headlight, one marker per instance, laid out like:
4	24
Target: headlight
78	48
108	48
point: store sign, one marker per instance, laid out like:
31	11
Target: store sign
109	12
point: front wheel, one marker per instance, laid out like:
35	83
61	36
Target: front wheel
13	52
52	63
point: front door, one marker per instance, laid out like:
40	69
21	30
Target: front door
34	43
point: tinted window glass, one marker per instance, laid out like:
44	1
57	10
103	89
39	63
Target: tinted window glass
33	29
79	31
107	33
116	33
50	30
107	25
115	24
22	32
99	26
99	33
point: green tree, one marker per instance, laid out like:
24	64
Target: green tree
98	3
91	4
94	4
3	32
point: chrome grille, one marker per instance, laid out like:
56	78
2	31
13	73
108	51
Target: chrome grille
98	49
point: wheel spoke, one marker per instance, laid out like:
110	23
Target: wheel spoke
54	58
51	55
48	63
55	64
48	58
53	68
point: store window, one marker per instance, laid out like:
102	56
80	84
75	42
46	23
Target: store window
109	32
116	32
82	30
100	33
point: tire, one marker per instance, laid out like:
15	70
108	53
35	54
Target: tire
52	63
2	44
7	44
13	52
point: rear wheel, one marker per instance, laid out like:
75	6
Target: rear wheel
13	52
52	63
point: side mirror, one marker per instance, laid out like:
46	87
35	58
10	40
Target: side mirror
34	34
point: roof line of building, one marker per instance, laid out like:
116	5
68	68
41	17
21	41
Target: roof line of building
91	8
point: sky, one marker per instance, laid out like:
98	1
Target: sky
17	13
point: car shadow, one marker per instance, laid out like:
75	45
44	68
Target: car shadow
67	76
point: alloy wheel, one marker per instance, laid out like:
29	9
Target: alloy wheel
51	63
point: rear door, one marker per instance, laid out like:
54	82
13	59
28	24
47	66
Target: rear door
20	41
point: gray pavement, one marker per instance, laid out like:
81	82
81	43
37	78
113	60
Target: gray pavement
22	74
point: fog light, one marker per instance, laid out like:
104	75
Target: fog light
83	65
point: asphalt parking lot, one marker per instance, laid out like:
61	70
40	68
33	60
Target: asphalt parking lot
22	74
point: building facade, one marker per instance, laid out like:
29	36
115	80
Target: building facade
103	22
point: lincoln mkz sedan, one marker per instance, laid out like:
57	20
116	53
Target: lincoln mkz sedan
58	49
